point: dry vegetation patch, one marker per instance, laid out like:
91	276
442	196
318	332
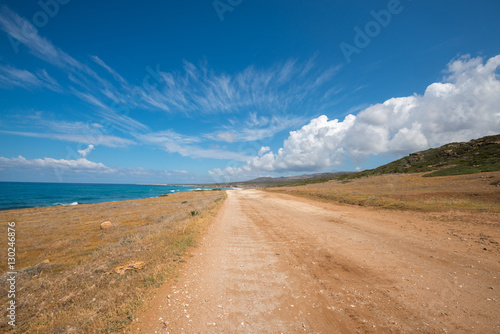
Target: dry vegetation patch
409	191
75	277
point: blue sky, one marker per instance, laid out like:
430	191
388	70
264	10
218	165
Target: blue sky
212	91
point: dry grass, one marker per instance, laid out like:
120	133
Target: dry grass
409	192
75	292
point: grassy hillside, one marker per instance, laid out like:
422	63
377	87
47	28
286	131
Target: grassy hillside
475	156
298	180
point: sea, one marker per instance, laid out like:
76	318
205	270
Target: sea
18	195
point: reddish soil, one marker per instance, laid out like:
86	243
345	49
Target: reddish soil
275	263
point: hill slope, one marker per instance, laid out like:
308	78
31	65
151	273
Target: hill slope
475	156
262	182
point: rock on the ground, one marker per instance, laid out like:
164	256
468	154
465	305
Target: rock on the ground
105	225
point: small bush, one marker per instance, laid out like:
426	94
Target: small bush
493	167
495	183
194	213
456	170
126	241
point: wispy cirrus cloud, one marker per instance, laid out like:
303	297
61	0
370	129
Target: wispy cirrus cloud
87	86
80	132
95	139
115	74
201	152
195	89
173	142
14	77
123	122
255	128
92	134
24	32
271	95
168	136
276	89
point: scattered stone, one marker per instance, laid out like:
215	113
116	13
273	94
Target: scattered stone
105	225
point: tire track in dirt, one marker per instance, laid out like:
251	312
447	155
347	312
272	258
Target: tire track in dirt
273	263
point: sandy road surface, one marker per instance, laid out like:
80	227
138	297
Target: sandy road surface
275	263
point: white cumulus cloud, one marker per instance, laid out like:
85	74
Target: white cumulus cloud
463	107
263	150
85	152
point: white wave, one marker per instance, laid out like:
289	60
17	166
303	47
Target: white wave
64	204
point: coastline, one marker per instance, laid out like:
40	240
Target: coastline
21	195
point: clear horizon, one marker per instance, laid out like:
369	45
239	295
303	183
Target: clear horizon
225	91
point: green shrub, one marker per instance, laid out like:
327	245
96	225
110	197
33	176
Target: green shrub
456	170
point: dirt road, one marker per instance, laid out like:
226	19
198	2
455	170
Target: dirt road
275	263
